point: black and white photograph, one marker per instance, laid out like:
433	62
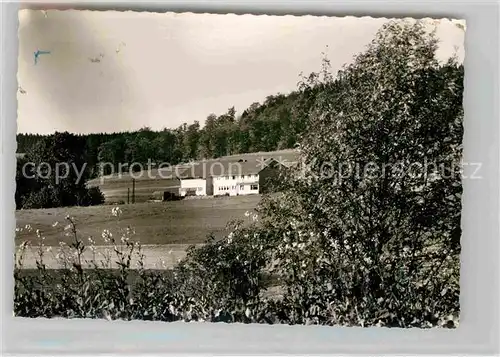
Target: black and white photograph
240	168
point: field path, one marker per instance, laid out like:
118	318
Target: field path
155	256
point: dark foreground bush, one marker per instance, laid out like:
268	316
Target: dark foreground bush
368	228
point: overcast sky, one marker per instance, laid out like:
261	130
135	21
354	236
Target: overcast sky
161	70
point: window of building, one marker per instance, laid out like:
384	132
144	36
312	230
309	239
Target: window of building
234	177
254	187
242	187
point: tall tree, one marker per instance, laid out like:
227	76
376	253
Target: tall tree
370	225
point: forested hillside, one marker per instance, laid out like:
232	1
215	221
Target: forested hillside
275	124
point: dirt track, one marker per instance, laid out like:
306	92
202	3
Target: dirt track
155	256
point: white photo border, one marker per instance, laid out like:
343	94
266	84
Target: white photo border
479	321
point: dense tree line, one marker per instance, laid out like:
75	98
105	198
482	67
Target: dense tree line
54	173
275	124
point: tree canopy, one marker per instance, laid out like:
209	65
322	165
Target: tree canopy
54	173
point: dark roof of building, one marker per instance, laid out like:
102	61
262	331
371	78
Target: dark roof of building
229	167
241	164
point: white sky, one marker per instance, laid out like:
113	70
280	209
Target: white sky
173	68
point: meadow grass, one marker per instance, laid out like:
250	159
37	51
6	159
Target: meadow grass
180	222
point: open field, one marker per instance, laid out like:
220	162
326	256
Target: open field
115	191
180	222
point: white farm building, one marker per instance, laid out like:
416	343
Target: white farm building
232	175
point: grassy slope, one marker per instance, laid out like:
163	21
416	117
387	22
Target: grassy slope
180	222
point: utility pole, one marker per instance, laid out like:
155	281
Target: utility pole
128	195
133	190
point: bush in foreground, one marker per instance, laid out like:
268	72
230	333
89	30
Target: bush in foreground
368	229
